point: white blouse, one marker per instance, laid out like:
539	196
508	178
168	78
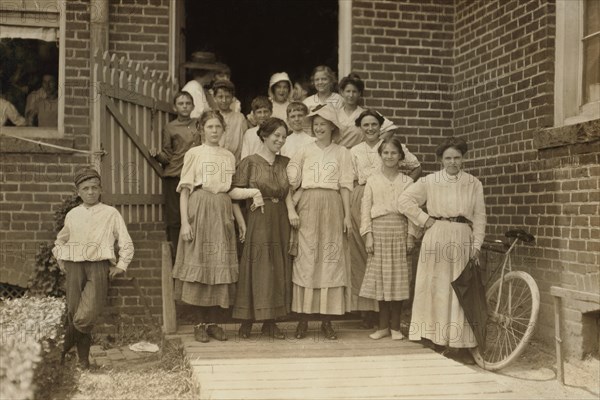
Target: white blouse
366	161
209	166
329	168
446	196
380	198
334	99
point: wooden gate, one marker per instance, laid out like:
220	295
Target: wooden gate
131	107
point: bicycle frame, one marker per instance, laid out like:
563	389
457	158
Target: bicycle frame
507	262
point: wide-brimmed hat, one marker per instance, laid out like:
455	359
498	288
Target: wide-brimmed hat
279	77
203	60
327	112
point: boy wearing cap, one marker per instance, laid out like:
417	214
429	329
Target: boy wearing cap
85	252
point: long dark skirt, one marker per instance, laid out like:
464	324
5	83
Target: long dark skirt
264	289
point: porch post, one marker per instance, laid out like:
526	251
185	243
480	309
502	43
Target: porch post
98	45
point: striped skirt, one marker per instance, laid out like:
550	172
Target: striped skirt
387	276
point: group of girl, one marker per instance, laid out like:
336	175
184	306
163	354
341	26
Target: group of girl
342	197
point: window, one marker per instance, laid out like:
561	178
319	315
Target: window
32	49
577	78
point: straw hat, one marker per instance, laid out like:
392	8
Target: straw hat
203	60
326	112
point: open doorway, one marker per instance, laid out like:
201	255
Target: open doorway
257	38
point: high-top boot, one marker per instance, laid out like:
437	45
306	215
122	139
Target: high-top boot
69	339
84	342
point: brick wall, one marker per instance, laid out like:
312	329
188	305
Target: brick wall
35	180
403	50
504	93
484	70
139	31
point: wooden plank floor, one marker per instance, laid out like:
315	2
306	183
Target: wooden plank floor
352	367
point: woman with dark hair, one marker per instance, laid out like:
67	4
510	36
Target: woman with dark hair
455	228
264	285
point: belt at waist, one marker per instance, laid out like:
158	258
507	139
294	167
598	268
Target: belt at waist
459	219
273	199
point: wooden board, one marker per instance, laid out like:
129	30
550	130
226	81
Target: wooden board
352	367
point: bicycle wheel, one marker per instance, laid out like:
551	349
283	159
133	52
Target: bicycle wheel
508	331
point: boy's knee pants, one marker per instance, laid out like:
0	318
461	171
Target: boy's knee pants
87	292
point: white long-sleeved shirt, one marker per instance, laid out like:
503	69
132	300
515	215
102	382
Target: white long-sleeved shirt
380	198
446	196
89	234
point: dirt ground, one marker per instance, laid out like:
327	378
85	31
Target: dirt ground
533	376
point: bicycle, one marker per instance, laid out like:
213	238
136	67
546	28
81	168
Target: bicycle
513	303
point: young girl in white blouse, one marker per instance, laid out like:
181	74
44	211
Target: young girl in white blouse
387	240
206	266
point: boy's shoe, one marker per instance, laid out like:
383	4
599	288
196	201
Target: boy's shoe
380	334
216	332
84	342
200	334
397	335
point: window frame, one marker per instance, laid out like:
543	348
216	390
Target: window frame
569	108
50	9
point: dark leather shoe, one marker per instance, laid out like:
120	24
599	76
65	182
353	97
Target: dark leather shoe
216	332
84	342
245	330
328	331
301	329
271	329
200	334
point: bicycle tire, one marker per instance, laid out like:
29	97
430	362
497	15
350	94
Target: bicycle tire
508	333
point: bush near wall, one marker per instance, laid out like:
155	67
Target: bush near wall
30	346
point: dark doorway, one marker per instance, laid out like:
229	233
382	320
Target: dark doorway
257	38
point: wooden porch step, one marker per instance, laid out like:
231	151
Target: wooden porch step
352	367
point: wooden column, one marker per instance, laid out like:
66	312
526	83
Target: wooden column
168	303
98	45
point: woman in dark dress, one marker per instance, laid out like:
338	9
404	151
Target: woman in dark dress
264	285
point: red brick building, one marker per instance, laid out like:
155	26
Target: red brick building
504	75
